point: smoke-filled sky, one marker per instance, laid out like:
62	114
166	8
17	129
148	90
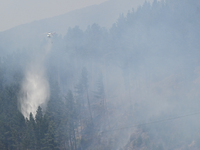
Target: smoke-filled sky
23	11
18	12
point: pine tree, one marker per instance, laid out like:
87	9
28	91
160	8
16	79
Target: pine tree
82	95
41	127
54	115
31	132
49	142
100	106
72	120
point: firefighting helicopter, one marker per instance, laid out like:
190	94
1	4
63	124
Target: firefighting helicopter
50	35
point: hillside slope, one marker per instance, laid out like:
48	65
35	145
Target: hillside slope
29	35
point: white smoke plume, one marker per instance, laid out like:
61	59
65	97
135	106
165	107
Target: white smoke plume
35	87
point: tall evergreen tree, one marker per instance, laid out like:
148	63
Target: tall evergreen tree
72	124
41	127
49	142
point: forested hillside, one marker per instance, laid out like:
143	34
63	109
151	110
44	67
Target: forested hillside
28	36
133	86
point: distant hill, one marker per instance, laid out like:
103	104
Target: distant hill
29	35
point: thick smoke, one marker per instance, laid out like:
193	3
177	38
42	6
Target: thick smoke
35	86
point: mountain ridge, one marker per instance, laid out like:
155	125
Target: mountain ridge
30	34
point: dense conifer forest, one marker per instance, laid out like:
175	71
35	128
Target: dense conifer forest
106	85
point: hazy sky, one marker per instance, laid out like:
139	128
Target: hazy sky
16	12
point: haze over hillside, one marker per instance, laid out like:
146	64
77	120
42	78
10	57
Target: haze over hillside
19	12
133	86
29	35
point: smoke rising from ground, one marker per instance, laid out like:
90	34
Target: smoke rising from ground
35	86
